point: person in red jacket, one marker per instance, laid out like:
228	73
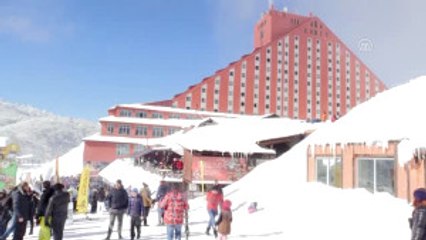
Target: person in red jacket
214	201
175	205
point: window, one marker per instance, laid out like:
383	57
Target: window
122	149
376	174
141	114
172	130
175	115
141	131
157	132
124	130
329	170
157	115
125	113
138	148
110	128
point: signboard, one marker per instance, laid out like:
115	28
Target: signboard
8	170
207	168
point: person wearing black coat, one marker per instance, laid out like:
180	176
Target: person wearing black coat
22	209
44	200
57	211
5	208
118	201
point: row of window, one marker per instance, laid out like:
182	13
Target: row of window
333	71
156	115
125	130
123	149
373	174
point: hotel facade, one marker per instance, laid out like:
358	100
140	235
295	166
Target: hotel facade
298	69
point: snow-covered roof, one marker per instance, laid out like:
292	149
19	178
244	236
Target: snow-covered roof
153	121
3	141
242	135
175	110
396	114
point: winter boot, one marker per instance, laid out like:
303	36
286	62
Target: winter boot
208	231
215	232
109	234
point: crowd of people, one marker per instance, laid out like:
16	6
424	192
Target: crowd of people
49	209
22	205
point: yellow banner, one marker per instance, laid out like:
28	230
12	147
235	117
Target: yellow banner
83	191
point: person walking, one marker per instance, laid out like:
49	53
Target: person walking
147	202
136	212
47	193
161	193
118	201
101	200
175	205
22	209
5	211
214	201
33	206
57	211
224	220
94	201
10	226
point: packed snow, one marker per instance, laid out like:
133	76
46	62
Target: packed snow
290	208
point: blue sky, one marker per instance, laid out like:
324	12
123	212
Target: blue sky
78	58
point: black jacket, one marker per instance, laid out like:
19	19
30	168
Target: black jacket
58	206
418	229
21	204
118	199
44	201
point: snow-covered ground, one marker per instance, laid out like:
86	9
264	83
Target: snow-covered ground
290	208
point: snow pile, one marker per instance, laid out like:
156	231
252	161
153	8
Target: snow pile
292	209
70	164
395	114
130	175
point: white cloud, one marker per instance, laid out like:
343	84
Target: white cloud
24	28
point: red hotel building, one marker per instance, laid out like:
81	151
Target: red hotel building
299	69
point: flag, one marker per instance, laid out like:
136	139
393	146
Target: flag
83	191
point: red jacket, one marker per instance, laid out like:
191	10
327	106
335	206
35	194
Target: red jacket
175	205
214	199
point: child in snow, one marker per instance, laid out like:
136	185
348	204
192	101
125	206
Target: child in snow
224	221
418	222
136	212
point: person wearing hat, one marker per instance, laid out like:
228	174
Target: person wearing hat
147	202
175	204
418	222
118	201
136	212
224	220
47	193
